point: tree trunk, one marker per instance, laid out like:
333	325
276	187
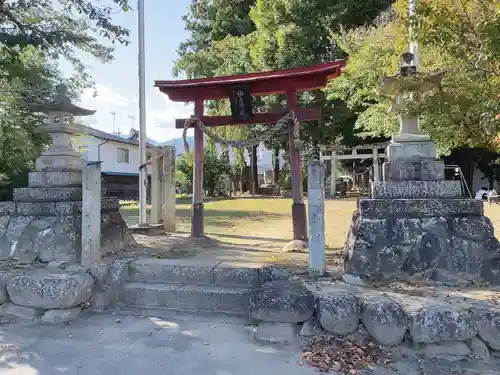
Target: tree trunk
276	165
255	172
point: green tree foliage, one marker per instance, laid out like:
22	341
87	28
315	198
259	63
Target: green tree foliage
58	29
460	37
214	173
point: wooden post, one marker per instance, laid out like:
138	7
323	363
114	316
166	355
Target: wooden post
91	214
156	186
298	207
333	175
169	188
376	170
316	212
197	227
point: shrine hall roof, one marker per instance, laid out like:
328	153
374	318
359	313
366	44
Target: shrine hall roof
262	83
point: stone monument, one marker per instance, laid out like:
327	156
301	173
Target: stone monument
43	223
416	223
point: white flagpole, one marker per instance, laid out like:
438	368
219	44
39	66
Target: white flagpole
142	115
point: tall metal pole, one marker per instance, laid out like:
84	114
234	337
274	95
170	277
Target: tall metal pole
413	41
142	115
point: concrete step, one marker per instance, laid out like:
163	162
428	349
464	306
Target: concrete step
181	297
186	271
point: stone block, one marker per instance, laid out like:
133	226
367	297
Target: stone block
7	208
487	320
172	271
416	189
21	312
338	312
187	297
149	294
54	179
276	333
213	298
50	289
36	208
437	323
411	151
383	208
479	349
385	319
56	316
452	351
52	194
237	274
310	328
60	163
282	301
424	170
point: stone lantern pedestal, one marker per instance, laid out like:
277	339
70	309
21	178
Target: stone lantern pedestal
417	224
44	221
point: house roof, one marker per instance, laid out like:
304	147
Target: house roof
114	137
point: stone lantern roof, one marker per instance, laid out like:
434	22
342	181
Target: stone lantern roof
62	103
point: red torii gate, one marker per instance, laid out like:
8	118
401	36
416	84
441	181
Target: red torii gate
289	82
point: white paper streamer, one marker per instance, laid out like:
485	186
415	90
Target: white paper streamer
260	151
218	150
246	156
282	158
231	155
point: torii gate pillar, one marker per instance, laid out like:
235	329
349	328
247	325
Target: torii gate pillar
298	206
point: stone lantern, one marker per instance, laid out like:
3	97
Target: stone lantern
61	156
44	221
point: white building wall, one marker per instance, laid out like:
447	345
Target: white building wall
91	147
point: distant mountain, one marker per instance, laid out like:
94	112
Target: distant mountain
178	143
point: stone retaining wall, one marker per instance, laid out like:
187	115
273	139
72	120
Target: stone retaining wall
58	293
451	329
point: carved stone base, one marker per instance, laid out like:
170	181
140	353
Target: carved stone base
51	231
436	239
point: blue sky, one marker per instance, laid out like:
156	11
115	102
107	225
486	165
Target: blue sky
117	82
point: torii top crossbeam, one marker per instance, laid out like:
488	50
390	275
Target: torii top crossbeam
262	83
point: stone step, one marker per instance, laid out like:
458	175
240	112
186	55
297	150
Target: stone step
383	208
52	194
195	272
54	179
416	189
182	297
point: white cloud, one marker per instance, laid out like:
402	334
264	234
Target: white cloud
105	96
161	119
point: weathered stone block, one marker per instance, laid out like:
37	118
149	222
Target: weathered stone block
473	228
424	170
276	332
172	270
47	194
282	301
487	320
61	315
21	312
433	324
382	208
415	189
310	327
479	349
338	312
237	274
449	351
54	179
385	319
36	208
7	208
52	289
409	151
